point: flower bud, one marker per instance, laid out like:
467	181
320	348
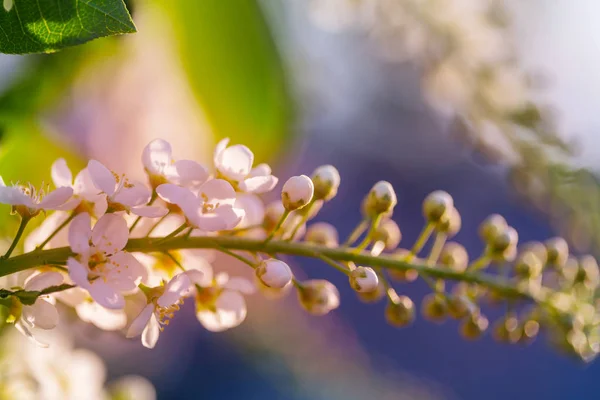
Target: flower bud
318	296
557	251
503	246
310	212
454	256
434	307
460	306
274	273
363	279
323	234
474	326
449	223
374	295
491	227
381	199
506	330
436	205
406	275
389	233
583	272
297	192
272	293
538	249
326	180
400	312
273	213
528	265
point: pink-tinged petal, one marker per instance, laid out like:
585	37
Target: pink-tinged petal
151	333
39	282
78	272
129	267
71	204
56	198
41	314
110	234
80	233
186	173
135	194
174	290
21	327
260	170
223	218
61	174
199	278
254	210
102	177
106	296
230	312
235	162
150	211
217	191
241	285
72	297
156	156
13	195
103	318
140	322
222	145
174	194
83	183
100	206
259	184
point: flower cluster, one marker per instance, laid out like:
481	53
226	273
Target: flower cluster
127	255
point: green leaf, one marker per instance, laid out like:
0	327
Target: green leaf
43	26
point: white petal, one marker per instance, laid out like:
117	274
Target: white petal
223	218
156	156
174	290
239	284
44	280
259	184
235	162
110	234
222	145
102	177
186	173
14	195
106	296
254	210
260	170
56	198
71	204
217	191
174	194
78	272
61	174
231	311
151	332
198	277
83	183
139	323
134	194
100	205
25	331
127	267
150	211
80	233
41	314
103	318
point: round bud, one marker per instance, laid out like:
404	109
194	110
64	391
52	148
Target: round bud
389	233
434	307
536	248
506	330
374	295
454	256
363	279
528	265
273	213
323	234
503	246
318	296
400	312
557	251
450	223
381	199
459	306
588	272
309	212
297	192
406	275
529	331
326	180
274	273
272	293
474	326
491	227
436	205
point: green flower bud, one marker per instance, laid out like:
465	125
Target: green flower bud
326	180
400	312
434	307
323	234
389	233
436	205
454	256
380	200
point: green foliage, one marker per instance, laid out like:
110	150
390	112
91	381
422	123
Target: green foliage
43	26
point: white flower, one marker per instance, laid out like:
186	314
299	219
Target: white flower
297	192
161	168
101	267
363	279
220	304
121	194
42	314
234	163
274	273
326	179
163	302
28	201
318	296
85	194
211	210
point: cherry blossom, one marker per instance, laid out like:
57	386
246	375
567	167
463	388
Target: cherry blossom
29	201
100	266
161	168
234	163
122	194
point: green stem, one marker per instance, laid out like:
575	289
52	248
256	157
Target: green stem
58	229
174	233
374	224
303	220
355	234
148	245
334	264
138	219
175	260
156	225
15	241
479	263
421	240
286	213
237	256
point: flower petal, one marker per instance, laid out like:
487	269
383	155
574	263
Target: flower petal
175	194
103	318
78	273
254	210
83	183
235	162
140	322
174	290
217	192
223	218
259	184
105	295
133	194
151	332
27	333
187	173
43	280
150	211
13	195
156	156
127	267
222	145
102	177
41	314
61	174
80	233
110	234
240	284
56	198
230	312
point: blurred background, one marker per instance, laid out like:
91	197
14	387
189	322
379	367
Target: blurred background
492	101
